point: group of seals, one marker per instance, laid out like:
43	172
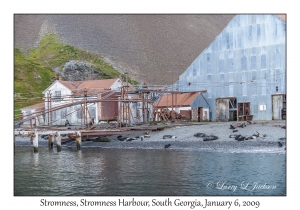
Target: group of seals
121	138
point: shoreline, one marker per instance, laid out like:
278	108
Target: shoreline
185	139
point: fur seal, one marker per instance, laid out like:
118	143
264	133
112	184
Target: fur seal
200	135
167	146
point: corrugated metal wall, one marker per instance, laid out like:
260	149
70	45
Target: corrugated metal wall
247	61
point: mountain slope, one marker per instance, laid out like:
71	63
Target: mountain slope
152	48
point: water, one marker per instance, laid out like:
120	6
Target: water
147	172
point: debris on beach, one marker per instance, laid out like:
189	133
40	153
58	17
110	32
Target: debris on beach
282	139
279	144
167	146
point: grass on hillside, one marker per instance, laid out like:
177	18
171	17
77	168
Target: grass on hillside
34	73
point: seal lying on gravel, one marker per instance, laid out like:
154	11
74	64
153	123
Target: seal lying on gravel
169	137
200	135
210	138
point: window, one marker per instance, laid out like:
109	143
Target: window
57	96
258	29
208	63
253	75
79	112
92	111
263	61
208	78
221	66
244	63
194	71
253	62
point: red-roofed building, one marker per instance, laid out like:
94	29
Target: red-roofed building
63	92
190	105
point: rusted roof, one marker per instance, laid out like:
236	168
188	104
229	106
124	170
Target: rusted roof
179	99
37	107
92	86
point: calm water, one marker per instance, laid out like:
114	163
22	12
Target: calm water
96	171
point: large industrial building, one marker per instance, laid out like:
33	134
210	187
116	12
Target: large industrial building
243	70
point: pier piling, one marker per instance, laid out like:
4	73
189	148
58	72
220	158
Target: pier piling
58	141
78	140
50	141
35	142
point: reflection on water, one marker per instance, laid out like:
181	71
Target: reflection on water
95	171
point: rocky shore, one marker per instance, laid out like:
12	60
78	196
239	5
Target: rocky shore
271	137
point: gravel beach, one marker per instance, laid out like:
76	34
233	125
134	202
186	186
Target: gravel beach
271	133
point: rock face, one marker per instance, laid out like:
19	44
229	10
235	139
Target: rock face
77	71
153	48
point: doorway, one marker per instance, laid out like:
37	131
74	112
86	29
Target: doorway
279	107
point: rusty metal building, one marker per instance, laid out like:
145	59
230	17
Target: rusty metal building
189	105
243	70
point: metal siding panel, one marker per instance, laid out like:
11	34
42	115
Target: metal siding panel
266	44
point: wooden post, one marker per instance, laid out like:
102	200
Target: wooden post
50	141
58	141
35	142
78	140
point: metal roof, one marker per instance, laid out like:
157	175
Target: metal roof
179	99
